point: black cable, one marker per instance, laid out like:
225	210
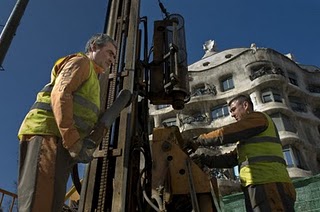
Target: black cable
75	178
163	9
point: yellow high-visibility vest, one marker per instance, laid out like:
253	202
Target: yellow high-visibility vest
86	107
261	158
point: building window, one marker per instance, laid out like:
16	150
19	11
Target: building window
297	105
288	156
271	95
159	107
169	122
293	78
260	69
282	122
220	111
314	88
292	156
236	172
227	84
316	112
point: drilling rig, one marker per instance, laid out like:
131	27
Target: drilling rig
130	171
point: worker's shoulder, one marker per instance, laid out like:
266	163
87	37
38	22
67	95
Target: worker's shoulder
75	61
72	58
259	114
78	58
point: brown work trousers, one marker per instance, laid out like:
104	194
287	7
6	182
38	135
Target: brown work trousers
270	197
44	168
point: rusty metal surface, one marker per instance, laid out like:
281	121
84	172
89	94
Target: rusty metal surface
174	174
173	160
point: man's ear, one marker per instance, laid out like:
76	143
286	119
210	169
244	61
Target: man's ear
245	105
93	47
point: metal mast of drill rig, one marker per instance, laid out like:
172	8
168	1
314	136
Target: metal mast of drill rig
108	183
114	180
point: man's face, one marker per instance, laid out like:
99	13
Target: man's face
105	56
238	109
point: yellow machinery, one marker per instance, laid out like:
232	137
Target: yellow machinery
176	180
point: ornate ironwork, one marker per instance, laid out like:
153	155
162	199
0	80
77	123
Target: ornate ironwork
265	70
206	89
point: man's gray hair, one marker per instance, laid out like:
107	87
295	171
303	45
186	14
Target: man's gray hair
99	40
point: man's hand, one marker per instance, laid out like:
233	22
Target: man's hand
199	160
199	140
87	150
190	146
75	149
82	151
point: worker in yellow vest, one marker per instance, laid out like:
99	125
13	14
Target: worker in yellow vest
53	133
262	169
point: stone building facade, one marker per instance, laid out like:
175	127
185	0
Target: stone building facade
286	90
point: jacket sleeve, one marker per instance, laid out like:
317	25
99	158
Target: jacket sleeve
227	160
70	77
253	124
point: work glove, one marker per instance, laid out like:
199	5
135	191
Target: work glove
192	145
87	150
82	151
75	149
198	140
199	160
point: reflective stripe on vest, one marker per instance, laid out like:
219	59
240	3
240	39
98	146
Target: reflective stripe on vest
267	144
266	158
79	122
77	98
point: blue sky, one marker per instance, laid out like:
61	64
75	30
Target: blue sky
54	28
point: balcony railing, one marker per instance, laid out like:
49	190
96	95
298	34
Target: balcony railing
4	194
265	71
